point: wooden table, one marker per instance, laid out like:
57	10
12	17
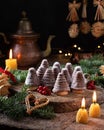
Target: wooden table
62	121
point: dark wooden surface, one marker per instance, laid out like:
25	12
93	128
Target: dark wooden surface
63	120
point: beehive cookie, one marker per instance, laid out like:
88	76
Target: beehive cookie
40	72
61	87
69	66
57	64
32	78
78	83
48	78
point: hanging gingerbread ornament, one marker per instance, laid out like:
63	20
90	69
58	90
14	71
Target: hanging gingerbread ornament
73	7
84	26
98	27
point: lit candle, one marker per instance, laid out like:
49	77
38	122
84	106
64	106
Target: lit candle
11	63
82	114
94	110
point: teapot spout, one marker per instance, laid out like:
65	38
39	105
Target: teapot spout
4	37
48	49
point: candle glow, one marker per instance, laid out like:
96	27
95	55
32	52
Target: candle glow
82	114
94	98
83	103
10	54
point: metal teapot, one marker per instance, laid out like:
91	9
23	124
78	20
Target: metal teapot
24	46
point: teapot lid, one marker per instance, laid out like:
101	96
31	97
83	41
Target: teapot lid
25	26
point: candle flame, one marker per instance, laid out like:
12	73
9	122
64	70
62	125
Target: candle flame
83	103
10	54
94	96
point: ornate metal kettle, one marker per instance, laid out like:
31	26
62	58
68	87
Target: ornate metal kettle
24	44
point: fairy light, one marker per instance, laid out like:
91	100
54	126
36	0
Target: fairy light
66	54
79	48
60	51
99	46
69	54
75	46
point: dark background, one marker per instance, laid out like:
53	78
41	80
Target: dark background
47	17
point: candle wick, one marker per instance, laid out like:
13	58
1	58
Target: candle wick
83	107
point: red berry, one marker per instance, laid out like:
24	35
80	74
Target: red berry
44	92
40	87
40	91
45	88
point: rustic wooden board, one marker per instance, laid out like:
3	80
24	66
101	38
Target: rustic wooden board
66	107
72	101
62	121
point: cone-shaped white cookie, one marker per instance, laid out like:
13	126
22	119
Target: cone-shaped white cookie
78	82
32	78
76	68
61	87
67	75
40	72
69	66
58	65
55	70
45	63
48	78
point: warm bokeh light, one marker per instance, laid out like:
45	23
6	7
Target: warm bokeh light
60	51
74	45
69	54
79	48
66	54
19	56
99	46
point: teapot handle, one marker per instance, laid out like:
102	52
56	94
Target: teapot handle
4	37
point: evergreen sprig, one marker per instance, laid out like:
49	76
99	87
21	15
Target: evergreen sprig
91	66
14	107
46	112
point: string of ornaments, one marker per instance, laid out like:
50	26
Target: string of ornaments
97	28
73	30
85	26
